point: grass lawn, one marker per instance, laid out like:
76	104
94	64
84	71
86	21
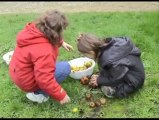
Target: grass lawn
141	27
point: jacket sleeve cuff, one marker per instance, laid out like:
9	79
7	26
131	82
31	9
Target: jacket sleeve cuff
60	96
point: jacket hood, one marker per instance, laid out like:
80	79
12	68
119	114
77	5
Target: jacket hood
117	48
29	36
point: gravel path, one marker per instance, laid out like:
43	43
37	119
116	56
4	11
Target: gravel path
39	7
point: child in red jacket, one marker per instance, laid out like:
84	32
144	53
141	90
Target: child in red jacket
33	67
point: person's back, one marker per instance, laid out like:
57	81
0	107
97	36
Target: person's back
120	60
31	44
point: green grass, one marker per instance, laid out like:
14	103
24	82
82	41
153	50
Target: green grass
141	27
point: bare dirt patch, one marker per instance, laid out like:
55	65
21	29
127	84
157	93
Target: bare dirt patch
39	7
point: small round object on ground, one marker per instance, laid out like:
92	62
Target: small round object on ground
92	104
88	96
74	110
97	103
102	101
84	80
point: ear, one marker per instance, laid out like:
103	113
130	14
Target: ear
92	52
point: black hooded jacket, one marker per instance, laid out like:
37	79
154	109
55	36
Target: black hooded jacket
119	63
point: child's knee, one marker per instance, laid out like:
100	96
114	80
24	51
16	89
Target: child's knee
63	68
67	68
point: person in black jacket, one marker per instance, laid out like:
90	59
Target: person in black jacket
121	71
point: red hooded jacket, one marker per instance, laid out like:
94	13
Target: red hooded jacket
32	66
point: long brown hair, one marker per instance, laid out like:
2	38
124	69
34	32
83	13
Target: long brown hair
52	23
89	42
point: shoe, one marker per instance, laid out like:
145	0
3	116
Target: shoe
108	91
36	97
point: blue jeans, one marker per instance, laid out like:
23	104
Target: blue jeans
62	71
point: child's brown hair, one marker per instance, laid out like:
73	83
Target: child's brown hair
52	24
89	42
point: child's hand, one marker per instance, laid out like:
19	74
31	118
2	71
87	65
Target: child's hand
65	100
93	80
67	46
